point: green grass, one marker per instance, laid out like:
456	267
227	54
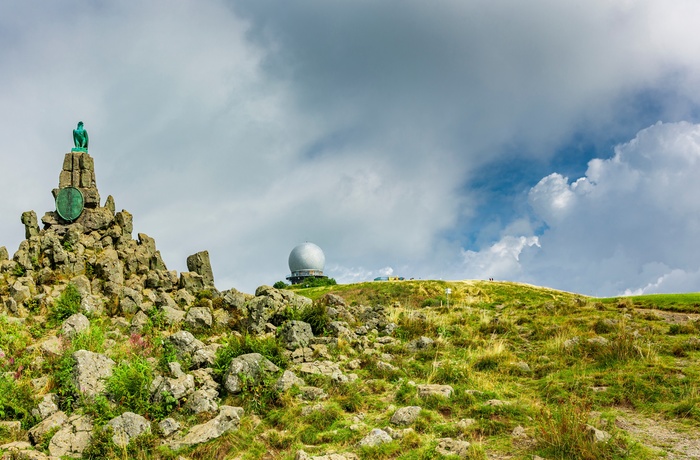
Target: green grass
687	303
481	342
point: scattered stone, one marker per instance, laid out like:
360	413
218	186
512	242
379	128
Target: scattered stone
168	426
295	334
309	393
228	419
200	264
74	325
139	322
202	401
287	380
523	367
327	368
90	372
73	437
386	367
52	347
572	342
497	403
185	344
427	390
48	406
465	423
597	435
199	318
519	433
38	431
128	426
449	446
178	387
599	341
406	415
375	438
422	343
246	368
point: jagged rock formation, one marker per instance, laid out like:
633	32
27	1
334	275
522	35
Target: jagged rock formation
98	253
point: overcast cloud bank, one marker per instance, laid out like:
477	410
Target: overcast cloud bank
246	128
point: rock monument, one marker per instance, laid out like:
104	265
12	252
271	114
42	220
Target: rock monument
91	245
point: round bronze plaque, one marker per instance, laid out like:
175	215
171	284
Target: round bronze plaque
69	203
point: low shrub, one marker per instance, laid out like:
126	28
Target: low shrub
67	304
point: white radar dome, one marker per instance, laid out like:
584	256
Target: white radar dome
307	257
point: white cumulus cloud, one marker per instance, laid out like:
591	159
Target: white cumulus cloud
628	226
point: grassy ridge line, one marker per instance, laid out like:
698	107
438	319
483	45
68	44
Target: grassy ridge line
418	293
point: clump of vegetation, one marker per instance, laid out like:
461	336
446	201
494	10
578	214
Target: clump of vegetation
129	386
312	282
317	316
67	304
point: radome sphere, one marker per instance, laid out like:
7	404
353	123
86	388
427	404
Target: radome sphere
307	257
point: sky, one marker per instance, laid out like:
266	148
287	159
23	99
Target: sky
549	142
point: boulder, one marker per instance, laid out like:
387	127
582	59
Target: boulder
73	437
199	263
425	391
108	267
74	325
246	368
422	343
405	415
199	318
178	387
375	438
46	407
295	334
191	282
31	224
287	380
185	344
202	401
128	426
38	431
327	368
168	426
90	372
449	446
228	419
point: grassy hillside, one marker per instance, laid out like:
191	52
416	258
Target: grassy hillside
533	372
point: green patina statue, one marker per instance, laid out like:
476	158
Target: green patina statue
80	137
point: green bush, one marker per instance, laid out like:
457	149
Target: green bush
92	339
314	282
16	401
280	285
317	316
67	304
65	388
130	383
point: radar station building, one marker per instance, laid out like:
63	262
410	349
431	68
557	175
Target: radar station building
306	261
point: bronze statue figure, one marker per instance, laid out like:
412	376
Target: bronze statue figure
80	137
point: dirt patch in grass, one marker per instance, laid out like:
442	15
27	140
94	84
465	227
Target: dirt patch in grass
670	317
671	439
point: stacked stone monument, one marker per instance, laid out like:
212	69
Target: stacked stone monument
95	251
